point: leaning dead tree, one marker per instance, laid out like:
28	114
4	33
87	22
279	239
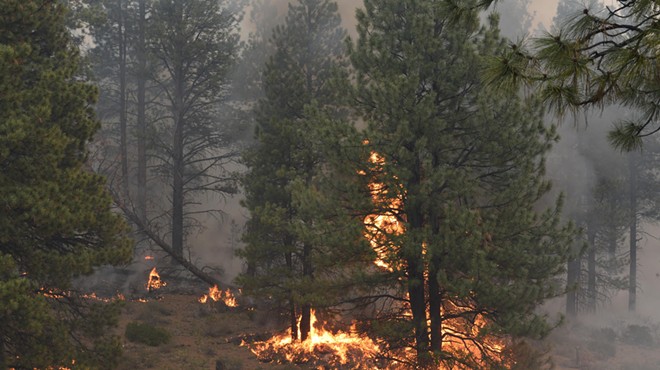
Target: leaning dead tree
154	236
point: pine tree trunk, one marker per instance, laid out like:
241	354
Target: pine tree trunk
418	306
3	357
305	314
141	116
591	270
573	275
305	321
632	287
293	323
435	307
177	150
123	130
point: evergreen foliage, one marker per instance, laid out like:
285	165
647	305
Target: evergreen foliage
597	57
56	222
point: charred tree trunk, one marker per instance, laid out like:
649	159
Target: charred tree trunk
293	323
141	115
632	287
305	314
435	306
305	321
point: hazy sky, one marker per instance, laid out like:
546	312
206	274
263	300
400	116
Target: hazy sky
545	10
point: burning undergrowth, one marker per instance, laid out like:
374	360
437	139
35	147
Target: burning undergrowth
323	347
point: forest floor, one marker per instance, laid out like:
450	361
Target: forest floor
201	335
204	336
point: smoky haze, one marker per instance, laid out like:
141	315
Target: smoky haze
582	157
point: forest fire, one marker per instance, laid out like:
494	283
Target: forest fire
154	282
333	349
216	294
461	326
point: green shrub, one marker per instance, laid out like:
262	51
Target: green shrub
147	334
639	335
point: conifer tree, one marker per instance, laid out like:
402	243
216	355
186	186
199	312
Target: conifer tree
457	171
194	44
308	47
56	222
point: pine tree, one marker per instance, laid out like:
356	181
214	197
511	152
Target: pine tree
194	44
457	170
56	222
308	47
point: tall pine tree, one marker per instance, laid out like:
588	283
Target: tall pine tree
308	48
457	169
56	222
194	44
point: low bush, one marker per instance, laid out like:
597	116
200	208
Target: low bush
147	334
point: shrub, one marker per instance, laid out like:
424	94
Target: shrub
147	334
639	335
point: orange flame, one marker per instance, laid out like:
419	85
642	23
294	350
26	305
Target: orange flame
379	226
343	346
148	258
154	281
217	294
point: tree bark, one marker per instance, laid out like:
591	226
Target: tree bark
435	306
123	130
141	115
572	278
418	306
591	269
632	287
305	314
178	165
293	320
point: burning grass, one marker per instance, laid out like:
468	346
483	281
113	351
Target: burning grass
323	347
215	294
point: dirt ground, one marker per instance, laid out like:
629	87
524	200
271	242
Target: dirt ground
203	334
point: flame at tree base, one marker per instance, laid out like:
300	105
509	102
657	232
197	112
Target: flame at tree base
347	349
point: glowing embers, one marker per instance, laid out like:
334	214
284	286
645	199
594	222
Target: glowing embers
154	282
216	294
333	349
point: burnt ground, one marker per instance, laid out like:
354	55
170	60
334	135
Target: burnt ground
204	335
